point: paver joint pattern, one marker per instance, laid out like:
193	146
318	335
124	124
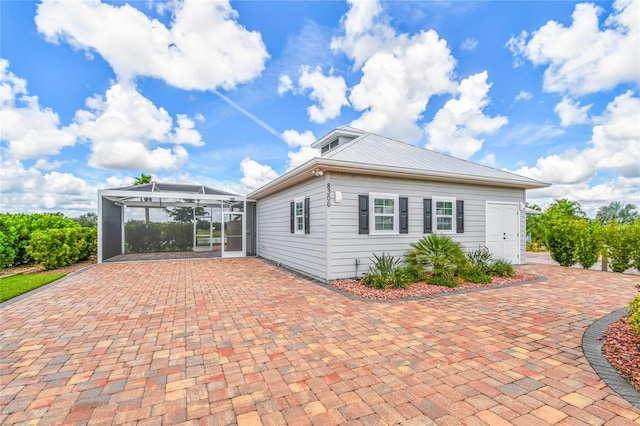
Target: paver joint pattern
240	341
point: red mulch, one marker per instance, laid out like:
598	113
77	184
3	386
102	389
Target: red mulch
620	348
420	289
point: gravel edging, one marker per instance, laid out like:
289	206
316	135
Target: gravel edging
539	279
43	287
592	340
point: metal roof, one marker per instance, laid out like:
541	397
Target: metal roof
375	155
378	150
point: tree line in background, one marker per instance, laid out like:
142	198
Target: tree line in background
571	237
51	240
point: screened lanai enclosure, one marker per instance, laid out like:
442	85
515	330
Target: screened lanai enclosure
173	220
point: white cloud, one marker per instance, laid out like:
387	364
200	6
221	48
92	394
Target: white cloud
30	130
400	71
43	164
590	197
30	191
203	48
303	141
582	58
614	145
123	125
488	160
185	134
571	112
456	127
365	32
523	96
469	44
255	174
285	84
329	91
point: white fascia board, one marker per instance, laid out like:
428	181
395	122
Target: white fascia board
305	172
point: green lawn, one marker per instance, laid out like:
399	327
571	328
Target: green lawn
16	285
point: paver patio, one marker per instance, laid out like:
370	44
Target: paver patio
241	341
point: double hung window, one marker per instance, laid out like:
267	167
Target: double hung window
385	213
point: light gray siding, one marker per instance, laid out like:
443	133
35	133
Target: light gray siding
346	245
305	253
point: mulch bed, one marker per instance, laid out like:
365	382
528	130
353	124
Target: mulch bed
356	288
39	269
621	348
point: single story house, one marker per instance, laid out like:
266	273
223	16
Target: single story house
369	194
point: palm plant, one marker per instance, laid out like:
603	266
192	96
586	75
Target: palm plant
623	213
438	254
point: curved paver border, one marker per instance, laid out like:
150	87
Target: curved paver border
43	287
592	348
539	279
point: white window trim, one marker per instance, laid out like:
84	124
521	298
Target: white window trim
296	216
372	214
434	226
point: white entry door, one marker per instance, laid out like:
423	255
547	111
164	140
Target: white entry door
503	231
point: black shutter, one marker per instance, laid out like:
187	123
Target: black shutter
459	216
404	215
363	214
307	203
293	217
428	217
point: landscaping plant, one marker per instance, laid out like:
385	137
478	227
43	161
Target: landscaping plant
439	255
16	230
588	243
475	274
634	314
386	272
561	241
481	258
54	248
501	268
620	246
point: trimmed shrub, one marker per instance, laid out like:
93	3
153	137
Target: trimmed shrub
634	314
501	268
55	248
438	254
142	237
16	230
588	243
442	281
476	274
620	246
414	274
561	241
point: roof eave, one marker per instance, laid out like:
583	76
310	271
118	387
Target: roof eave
303	173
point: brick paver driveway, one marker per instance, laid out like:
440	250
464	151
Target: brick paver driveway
241	341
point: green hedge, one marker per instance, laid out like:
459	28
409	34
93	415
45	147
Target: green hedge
141	237
16	230
55	248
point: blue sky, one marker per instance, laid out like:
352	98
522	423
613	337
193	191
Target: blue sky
232	94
